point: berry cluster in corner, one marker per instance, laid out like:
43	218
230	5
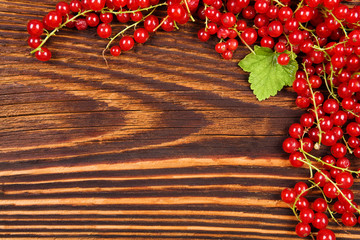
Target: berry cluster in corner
326	138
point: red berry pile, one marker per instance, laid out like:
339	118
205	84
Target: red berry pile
326	36
322	35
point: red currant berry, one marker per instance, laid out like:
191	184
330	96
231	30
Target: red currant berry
63	8
325	234
126	43
115	50
96	5
227	55
92	19
303	229
307	215
288	195
320	221
43	55
104	30
53	19
203	35
283	59
35	28
141	35
344	180
348	219
249	36
34	41
320	205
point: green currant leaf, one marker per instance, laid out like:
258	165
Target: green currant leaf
267	77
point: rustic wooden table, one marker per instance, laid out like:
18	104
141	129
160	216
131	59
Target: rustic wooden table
167	143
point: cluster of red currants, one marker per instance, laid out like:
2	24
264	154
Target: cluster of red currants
326	36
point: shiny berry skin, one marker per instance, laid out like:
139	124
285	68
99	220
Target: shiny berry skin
302	203
325	234
53	19
304	14
62	8
301	188
92	19
290	145
136	16
307	120
43	55
75	6
296	159
302	102
151	23
220	47
344	180
115	51
283	59
303	229
106	17
228	19
330	160
330	190
212	28
126	43
331	106
307	215
288	195
248	12
300	85
104	30
285	13
227	55
176	11
203	35
339	118
296	130
35	28
275	29
249	36
168	25
141	35
348	219
232	44
123	17
353	129
320	179
97	5
34	41
328	138
267	42
320	221
320	205
339	207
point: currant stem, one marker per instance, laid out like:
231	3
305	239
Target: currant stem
188	9
125	29
335	185
314	103
247	45
48	35
137	10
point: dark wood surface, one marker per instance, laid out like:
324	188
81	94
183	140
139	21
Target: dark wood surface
167	143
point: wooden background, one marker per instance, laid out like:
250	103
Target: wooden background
166	143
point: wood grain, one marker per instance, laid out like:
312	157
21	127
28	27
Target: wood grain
167	143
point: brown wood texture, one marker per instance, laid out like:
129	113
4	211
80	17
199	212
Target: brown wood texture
167	143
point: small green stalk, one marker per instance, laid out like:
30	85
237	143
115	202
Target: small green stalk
48	35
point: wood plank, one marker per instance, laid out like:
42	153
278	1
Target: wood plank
168	142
